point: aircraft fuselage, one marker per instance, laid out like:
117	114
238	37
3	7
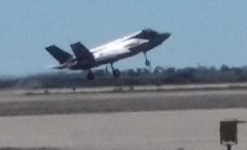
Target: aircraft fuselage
85	59
122	48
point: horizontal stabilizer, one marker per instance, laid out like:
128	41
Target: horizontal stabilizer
81	52
57	67
59	54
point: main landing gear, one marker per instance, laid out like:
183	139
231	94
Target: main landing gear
116	73
90	75
147	62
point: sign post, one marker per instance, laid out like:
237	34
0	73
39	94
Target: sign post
229	133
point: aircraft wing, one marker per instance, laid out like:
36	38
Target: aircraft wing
110	53
122	51
81	52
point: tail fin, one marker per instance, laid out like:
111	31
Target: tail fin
81	52
58	53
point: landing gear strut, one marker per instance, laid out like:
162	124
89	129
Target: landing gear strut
147	62
90	75
115	72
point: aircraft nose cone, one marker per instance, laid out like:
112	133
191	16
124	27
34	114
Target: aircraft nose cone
165	36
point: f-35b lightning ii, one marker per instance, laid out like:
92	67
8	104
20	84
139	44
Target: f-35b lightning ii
86	59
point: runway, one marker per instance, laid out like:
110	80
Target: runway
21	104
194	130
151	120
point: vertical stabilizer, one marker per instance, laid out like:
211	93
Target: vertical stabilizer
81	52
58	54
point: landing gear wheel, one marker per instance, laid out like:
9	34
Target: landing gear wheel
147	63
90	75
116	73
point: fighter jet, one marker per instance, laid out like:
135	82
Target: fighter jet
86	59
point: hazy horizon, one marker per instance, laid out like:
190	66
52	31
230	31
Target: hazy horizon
206	33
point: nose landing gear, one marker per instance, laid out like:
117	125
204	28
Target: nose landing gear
147	62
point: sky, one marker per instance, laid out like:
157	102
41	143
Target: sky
203	32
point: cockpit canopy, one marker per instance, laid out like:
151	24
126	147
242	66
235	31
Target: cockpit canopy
147	34
149	31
